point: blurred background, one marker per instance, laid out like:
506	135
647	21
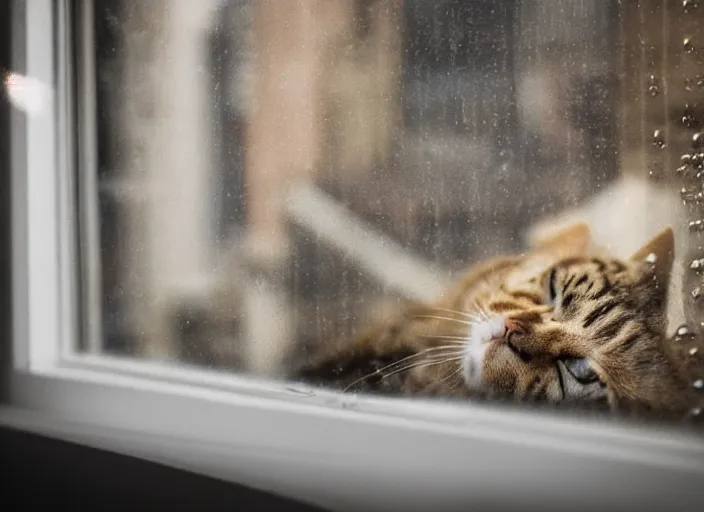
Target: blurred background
273	176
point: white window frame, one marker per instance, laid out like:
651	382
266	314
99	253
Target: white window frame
342	452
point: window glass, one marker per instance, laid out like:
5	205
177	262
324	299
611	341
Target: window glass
276	177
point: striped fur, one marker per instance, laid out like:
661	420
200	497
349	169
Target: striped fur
560	323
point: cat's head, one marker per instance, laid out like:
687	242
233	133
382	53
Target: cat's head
561	323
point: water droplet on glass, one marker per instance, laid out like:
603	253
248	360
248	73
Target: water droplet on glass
686	159
349	401
696	225
698	384
697	160
697	293
651	258
697	264
693	351
653	90
687	5
658	139
696	411
688	84
683	330
698	140
688	45
688	116
686	195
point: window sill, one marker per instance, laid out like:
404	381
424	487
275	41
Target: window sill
351	453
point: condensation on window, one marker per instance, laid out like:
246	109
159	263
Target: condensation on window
276	176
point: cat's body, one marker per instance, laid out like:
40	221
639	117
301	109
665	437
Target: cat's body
561	323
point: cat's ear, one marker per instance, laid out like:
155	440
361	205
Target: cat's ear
657	256
569	242
573	240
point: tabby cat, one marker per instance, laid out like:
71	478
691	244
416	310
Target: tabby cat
562	322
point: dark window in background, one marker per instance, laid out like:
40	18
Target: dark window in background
229	59
466	65
109	47
470	169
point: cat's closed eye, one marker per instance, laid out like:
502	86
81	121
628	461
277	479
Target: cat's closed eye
552	288
580	369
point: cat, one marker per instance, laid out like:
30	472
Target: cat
563	322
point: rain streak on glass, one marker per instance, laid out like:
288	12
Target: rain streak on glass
303	174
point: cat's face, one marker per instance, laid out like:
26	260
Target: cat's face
564	324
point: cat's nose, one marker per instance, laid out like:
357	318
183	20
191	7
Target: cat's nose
513	325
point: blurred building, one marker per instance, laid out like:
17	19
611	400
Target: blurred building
232	130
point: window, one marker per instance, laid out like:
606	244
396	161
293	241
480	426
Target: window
378	116
203	193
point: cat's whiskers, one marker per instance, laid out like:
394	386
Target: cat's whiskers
481	315
434	385
459	340
452	374
484	313
444	354
450	319
423	353
457	382
422	365
457	312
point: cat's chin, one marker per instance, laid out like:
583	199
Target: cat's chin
474	352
